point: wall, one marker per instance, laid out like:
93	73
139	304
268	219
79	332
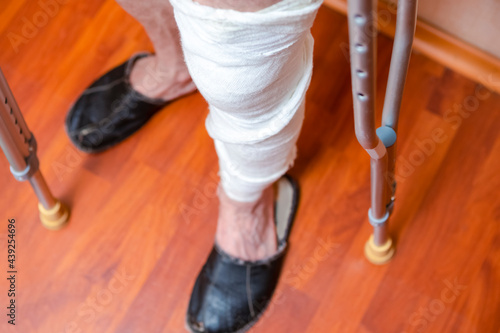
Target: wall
474	22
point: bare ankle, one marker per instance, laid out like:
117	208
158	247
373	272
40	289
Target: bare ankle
246	229
156	80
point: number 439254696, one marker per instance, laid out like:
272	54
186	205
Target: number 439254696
12	243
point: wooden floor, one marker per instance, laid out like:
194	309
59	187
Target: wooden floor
143	214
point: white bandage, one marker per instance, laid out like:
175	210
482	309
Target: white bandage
253	68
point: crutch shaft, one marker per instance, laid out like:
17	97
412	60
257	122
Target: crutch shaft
12	119
380	234
362	16
378	169
390	176
380	143
362	37
19	147
400	59
42	190
14	156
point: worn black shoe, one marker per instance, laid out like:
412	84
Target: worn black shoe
231	294
110	110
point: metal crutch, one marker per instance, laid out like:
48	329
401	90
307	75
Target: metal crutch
380	143
19	146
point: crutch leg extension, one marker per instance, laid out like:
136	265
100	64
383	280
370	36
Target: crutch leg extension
380	143
19	146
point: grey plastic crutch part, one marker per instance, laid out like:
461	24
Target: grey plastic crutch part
380	143
19	147
387	135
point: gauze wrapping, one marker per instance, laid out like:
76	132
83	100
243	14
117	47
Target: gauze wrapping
253	68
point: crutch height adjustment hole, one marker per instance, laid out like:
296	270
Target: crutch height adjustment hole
360	48
361	74
359	19
362	97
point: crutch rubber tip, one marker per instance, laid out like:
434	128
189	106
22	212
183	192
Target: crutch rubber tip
54	218
379	255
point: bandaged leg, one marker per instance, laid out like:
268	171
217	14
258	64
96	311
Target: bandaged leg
163	75
253	68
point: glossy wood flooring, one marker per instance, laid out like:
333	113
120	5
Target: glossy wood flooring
143	213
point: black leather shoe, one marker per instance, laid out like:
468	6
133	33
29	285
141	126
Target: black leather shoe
231	294
110	110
